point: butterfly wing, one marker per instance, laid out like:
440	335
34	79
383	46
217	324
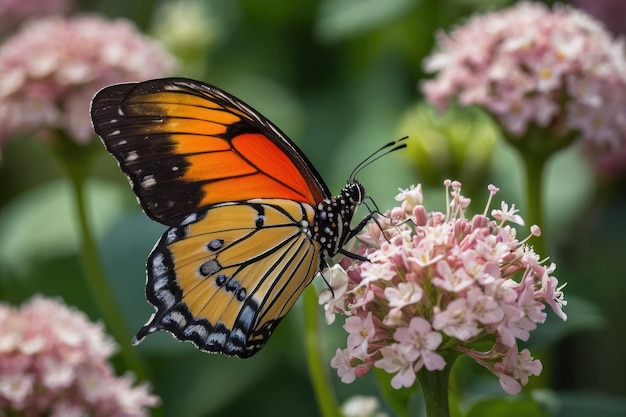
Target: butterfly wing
185	145
226	276
239	198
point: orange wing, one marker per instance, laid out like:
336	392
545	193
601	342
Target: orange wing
225	277
185	145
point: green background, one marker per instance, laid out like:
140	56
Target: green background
340	77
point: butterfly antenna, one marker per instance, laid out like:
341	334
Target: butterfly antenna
379	153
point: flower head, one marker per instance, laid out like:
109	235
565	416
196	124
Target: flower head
53	66
53	361
438	282
531	65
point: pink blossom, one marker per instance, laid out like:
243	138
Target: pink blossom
527	65
485	309
515	369
421	342
449	276
506	214
405	294
411	197
457	320
453	281
360	330
54	361
395	361
332	297
341	362
52	67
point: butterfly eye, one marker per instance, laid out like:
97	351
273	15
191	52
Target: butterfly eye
355	193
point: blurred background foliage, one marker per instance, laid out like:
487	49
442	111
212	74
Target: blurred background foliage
341	78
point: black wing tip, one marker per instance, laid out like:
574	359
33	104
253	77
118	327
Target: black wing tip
211	339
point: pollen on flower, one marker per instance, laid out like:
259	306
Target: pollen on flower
449	276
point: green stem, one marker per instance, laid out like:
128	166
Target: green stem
536	147
75	160
322	387
435	388
535	169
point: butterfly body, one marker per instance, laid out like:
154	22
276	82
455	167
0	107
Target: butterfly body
251	222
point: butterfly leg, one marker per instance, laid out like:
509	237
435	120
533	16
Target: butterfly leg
355	231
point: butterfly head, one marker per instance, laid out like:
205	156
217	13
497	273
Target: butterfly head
353	192
333	216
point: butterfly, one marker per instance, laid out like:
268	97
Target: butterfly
251	221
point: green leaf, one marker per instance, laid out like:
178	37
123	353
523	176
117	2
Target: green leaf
199	384
340	19
582	316
42	224
124	251
581	404
509	407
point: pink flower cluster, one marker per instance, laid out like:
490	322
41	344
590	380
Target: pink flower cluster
53	362
528	64
14	12
53	66
437	283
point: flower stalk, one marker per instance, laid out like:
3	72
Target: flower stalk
322	387
435	388
75	160
535	172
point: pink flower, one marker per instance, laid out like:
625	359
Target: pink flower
360	330
394	361
435	277
332	297
53	361
515	369
558	69
457	320
421	342
405	294
453	281
341	362
52	67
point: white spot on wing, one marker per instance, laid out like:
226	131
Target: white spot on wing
158	268
167	298
189	219
176	317
148	181
132	156
198	329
